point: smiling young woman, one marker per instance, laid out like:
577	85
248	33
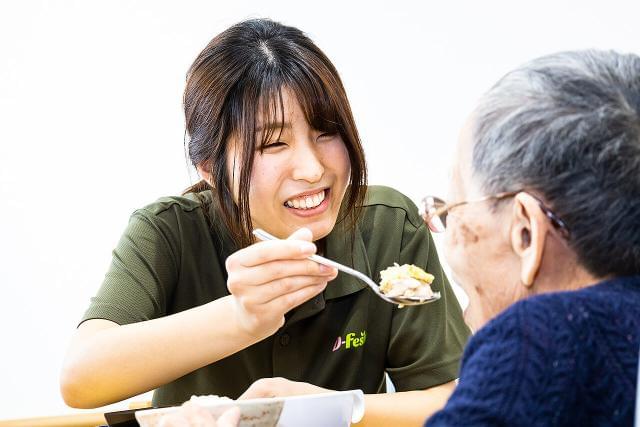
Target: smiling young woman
193	305
241	94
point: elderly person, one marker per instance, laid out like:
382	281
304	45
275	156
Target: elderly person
543	232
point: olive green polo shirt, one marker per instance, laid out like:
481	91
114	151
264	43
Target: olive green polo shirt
169	260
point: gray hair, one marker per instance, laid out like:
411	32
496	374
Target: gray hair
567	128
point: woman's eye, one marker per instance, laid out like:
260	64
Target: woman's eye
326	135
275	144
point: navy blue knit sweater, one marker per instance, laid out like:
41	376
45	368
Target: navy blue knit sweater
559	359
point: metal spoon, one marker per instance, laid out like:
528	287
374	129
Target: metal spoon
263	235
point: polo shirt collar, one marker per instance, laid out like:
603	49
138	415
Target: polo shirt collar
340	248
342	245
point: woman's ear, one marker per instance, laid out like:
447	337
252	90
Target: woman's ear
205	173
528	234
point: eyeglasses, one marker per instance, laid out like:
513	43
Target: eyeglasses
435	211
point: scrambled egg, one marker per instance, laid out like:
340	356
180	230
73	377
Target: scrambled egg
406	281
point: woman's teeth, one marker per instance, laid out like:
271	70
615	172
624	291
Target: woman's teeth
306	202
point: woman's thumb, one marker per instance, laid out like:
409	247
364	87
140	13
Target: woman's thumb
301	234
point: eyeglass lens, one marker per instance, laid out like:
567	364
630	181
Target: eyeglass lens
436	222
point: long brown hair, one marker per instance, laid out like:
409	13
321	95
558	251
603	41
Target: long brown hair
237	79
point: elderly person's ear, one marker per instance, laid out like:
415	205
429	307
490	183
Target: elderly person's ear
528	234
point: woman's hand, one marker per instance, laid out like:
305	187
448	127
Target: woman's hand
279	387
267	279
190	414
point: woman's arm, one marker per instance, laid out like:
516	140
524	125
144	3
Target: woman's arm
406	408
107	362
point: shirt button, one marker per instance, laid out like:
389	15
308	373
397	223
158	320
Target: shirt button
284	339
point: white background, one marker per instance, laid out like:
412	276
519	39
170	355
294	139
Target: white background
91	125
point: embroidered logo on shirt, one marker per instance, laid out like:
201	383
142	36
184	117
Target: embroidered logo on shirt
350	341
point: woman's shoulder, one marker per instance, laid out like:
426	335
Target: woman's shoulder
180	204
387	202
176	217
380	195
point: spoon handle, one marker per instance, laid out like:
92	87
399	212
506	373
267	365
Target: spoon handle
263	235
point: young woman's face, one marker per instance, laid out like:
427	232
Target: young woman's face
299	179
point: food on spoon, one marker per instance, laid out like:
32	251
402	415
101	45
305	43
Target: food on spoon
406	281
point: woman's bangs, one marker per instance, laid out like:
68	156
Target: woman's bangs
317	103
270	113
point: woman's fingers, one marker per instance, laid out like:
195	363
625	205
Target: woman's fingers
190	414
271	250
297	246
267	292
275	387
275	270
301	234
229	418
289	301
268	279
264	387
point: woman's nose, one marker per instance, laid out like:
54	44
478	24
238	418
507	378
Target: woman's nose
307	163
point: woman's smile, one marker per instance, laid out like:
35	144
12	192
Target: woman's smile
309	203
299	178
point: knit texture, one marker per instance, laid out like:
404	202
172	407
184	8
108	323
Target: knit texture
559	359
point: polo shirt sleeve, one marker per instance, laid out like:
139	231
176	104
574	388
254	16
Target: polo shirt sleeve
142	274
426	341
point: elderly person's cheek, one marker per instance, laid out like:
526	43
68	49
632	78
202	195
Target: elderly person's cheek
464	254
461	251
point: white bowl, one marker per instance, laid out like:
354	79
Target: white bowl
339	408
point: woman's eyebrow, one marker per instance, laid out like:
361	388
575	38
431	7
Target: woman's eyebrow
273	126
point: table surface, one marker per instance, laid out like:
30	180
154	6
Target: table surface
81	419
90	419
